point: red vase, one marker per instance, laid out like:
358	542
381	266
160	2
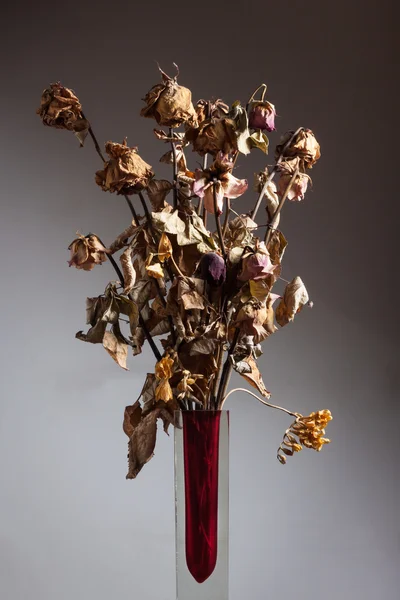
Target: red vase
201	487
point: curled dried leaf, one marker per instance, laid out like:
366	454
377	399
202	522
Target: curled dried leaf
294	299
128	270
164	248
115	348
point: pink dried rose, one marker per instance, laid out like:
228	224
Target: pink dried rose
126	172
262	116
86	252
220	176
60	108
298	188
304	146
256	265
169	104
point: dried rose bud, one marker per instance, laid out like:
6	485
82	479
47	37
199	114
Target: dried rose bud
257	265
262	116
169	104
212	268
60	108
126	172
86	252
304	145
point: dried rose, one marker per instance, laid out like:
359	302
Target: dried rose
220	175
60	108
86	252
299	186
169	104
304	145
257	265
215	133
262	116
212	268
126	172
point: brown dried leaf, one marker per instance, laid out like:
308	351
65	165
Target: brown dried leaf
132	417
254	377
128	270
117	350
157	190
164	248
295	297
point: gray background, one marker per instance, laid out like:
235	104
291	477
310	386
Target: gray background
326	524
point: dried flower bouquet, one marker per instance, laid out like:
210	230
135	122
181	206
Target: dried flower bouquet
207	296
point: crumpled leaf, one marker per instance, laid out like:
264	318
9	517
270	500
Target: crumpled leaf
253	375
157	190
163	372
202	346
143	440
295	297
132	417
238	114
276	247
190	293
154	270
123	238
117	350
128	270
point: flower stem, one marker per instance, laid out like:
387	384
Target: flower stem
289	412
175	167
272	174
219	230
271	225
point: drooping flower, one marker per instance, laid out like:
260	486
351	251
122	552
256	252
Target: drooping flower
213	268
256	265
298	188
126	172
216	132
262	116
309	431
60	108
86	252
169	104
226	185
304	145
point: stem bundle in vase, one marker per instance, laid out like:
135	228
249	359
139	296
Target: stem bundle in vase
195	279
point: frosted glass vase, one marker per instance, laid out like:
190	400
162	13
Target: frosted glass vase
202	504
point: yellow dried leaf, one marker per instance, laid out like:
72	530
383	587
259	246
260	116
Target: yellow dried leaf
155	271
164	248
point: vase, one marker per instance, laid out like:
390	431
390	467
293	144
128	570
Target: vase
202	504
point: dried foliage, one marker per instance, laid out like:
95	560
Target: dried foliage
198	288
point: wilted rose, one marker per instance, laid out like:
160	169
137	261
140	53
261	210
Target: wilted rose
60	108
216	132
126	172
213	268
262	116
226	185
169	104
86	252
257	265
299	185
304	146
